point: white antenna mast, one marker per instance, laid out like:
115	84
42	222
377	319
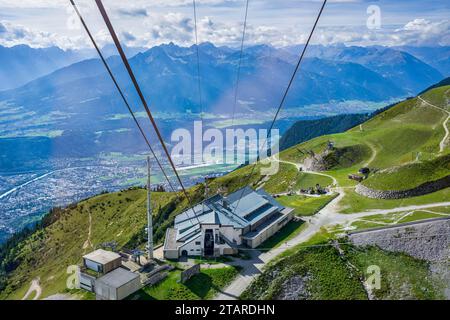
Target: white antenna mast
149	215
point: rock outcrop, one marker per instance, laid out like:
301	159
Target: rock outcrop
428	240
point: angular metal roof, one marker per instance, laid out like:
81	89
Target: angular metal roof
226	211
248	204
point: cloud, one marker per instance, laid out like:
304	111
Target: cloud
3	28
33	4
12	35
424	32
416	24
133	12
128	36
179	28
171	27
143	24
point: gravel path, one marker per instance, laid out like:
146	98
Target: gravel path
34	287
87	243
373	155
444	124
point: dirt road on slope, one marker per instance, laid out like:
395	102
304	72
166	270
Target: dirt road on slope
444	124
34	287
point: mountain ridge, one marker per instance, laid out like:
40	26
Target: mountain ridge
159	64
21	63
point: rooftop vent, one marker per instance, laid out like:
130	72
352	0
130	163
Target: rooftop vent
224	202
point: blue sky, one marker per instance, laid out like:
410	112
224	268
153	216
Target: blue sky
42	23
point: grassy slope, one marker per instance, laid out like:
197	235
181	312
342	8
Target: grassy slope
377	221
202	286
48	252
410	175
307	180
439	97
304	130
353	202
396	135
282	181
330	277
392	138
304	205
402	277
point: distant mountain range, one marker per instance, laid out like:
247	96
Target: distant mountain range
168	76
21	64
76	99
400	67
437	57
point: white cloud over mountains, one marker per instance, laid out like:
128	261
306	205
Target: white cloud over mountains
11	35
179	29
141	23
418	32
425	32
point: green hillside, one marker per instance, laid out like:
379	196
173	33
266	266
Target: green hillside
120	217
442	83
304	130
410	175
401	143
406	137
321	272
394	135
76	230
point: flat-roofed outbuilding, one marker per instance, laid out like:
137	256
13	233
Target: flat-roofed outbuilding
102	261
117	285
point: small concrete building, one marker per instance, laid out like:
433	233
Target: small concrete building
219	225
102	261
117	285
102	273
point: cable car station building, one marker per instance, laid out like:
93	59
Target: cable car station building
220	225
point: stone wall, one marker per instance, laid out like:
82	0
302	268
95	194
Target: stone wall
427	187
